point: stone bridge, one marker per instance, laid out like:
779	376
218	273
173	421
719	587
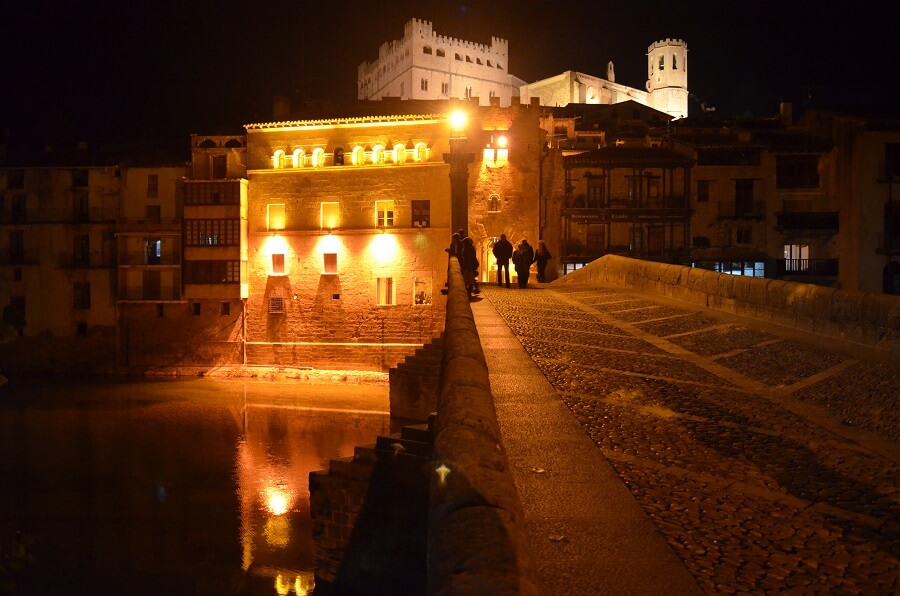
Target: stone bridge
635	427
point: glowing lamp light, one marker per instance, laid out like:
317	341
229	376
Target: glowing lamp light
277	501
384	248
501	142
458	119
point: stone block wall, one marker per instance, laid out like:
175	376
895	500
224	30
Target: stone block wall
864	318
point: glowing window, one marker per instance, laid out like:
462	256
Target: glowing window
318	157
358	157
378	154
329	263
275	216
385	291
384	214
420	153
422	291
277	264
278	159
399	153
330	216
297	158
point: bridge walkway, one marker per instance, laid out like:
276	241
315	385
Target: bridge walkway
660	449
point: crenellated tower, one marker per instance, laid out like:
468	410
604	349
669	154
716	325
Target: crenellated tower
667	77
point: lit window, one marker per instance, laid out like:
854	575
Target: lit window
399	153
277	264
796	257
422	291
318	157
329	263
420	153
384	214
385	289
297	158
330	216
275	218
278	159
358	157
378	154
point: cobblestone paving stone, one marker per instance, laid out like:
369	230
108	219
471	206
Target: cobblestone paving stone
752	497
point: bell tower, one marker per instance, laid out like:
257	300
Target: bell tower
667	80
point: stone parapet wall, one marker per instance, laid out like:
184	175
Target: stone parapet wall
864	318
368	357
477	540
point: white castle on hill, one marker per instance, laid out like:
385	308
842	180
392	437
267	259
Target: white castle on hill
425	65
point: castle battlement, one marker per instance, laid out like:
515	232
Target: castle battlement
667	42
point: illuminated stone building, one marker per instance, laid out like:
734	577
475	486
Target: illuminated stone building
425	65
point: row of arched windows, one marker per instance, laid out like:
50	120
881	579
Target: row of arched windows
440	54
662	62
378	154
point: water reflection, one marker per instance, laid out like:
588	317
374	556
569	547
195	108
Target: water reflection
171	487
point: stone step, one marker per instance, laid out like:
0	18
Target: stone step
395	444
417	432
365	453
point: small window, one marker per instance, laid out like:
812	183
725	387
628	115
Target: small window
500	66
422	291
456	56
385	289
358	157
329	263
152	186
424	85
219	167
318	157
195	309
674	63
421	214
226	309
153	213
378	154
478	61
277	263
81	296
399	153
278	159
420	153
80	178
384	214
338	158
662	62
489	63
298	158
275	216
445	88
426	50
493	205
703	191
330	216
469	59
15	179
276	305
440	53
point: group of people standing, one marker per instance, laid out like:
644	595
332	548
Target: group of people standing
522	256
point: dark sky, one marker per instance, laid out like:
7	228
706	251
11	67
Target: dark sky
105	70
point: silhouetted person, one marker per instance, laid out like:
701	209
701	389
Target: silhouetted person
469	265
541	256
454	250
503	250
522	259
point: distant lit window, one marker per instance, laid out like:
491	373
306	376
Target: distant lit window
422	291
329	263
278	159
421	214
277	264
152	186
384	214
297	158
796	257
420	153
358	157
385	291
330	216
275	216
378	154
318	157
399	153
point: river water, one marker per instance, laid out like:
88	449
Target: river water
169	487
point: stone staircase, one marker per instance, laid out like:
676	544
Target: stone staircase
369	516
416	383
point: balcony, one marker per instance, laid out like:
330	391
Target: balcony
141	258
808	220
806	267
68	260
748	210
151	294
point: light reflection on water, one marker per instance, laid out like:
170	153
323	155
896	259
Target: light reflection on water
197	487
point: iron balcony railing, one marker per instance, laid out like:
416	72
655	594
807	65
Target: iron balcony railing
810	267
144	258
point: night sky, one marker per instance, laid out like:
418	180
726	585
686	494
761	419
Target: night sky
108	71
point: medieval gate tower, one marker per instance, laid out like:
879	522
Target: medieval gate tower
667	77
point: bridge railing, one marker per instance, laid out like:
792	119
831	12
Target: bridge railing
477	540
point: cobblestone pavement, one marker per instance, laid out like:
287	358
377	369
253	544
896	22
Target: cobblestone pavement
767	463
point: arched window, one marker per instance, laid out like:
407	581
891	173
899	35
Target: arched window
378	154
318	157
426	50
674	63
440	53
399	153
278	159
468	59
420	153
662	62
477	60
298	158
458	57
233	143
338	157
207	144
358	157
493	203
500	66
489	63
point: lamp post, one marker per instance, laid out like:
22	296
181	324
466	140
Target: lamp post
459	159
